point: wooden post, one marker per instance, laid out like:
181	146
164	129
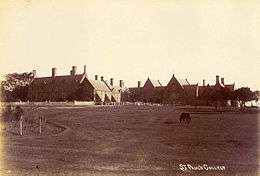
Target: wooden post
40	122
21	125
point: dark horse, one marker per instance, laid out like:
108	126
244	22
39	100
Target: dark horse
185	117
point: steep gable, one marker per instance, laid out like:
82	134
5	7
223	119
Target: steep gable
178	83
148	84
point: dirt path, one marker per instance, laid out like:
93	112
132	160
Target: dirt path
136	141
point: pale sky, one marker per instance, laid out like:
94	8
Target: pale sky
134	39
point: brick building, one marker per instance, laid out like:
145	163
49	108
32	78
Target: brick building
74	87
177	91
80	88
208	90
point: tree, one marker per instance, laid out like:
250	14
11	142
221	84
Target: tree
243	95
15	86
14	80
133	95
257	95
221	96
20	93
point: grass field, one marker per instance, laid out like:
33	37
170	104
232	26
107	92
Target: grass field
135	140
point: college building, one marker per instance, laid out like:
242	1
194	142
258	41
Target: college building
74	87
177	92
79	87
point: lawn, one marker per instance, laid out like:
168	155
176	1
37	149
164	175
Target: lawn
134	140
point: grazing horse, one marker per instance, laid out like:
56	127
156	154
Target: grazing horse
185	117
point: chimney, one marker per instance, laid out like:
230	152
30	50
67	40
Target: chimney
111	81
73	71
204	82
102	78
222	81
138	83
217	79
85	69
121	83
54	72
187	80
96	77
34	73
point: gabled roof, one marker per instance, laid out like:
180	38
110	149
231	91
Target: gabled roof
183	82
152	83
107	84
116	88
156	83
113	88
65	83
205	90
99	85
60	79
218	86
179	82
231	87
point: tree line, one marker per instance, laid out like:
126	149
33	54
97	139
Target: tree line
241	96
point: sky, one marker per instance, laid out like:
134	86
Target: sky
134	40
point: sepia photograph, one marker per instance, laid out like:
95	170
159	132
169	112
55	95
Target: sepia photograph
129	87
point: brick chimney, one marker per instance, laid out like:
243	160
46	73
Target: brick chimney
204	83
85	69
121	83
96	77
217	79
74	70
34	73
138	83
53	72
102	78
222	81
111	81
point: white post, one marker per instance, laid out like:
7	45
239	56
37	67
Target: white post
40	119
21	125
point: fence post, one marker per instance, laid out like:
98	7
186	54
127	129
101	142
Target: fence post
21	125
40	119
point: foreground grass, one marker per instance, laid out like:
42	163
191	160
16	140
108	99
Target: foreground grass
136	140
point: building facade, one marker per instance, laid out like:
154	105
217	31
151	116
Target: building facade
177	92
78	87
74	87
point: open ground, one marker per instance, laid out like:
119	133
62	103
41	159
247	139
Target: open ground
135	140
